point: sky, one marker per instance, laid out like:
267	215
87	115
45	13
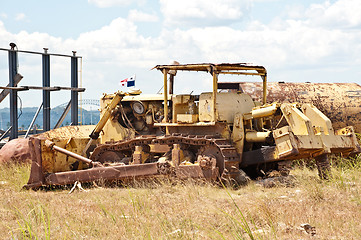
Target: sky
297	41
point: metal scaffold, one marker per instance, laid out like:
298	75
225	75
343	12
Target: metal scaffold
12	88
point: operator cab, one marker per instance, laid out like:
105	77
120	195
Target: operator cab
208	107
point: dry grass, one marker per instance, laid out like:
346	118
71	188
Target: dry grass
185	210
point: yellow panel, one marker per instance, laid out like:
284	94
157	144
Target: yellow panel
69	131
238	133
72	138
228	104
318	119
299	122
113	131
187	118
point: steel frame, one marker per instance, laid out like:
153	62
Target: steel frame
46	88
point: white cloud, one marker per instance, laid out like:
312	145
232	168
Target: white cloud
138	16
300	48
111	3
341	14
203	12
119	35
20	16
296	11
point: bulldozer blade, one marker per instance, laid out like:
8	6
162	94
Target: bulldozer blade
195	171
39	178
120	172
36	178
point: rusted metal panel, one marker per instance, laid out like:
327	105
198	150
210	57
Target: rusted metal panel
36	178
15	151
210	67
341	102
193	171
120	172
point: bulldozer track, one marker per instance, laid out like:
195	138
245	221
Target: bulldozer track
228	152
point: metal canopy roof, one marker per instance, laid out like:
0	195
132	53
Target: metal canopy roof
222	68
214	70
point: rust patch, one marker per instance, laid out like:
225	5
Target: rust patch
15	151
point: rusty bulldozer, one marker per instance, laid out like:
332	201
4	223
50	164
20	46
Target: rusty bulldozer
215	135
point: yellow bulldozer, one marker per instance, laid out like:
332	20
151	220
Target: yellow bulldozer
216	135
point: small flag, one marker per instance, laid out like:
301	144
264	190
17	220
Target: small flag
129	81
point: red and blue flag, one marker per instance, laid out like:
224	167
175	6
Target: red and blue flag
130	82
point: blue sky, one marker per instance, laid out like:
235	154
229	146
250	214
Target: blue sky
297	41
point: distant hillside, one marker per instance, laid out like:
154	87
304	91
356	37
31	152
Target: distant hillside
27	115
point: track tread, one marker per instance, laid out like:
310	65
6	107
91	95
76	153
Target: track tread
228	151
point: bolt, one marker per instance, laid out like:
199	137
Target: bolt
12	45
46	50
74	53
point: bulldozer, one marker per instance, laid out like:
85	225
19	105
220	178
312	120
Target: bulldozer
216	135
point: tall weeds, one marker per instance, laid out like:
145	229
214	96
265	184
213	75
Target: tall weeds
35	224
186	209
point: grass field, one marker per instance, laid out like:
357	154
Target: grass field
185	210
